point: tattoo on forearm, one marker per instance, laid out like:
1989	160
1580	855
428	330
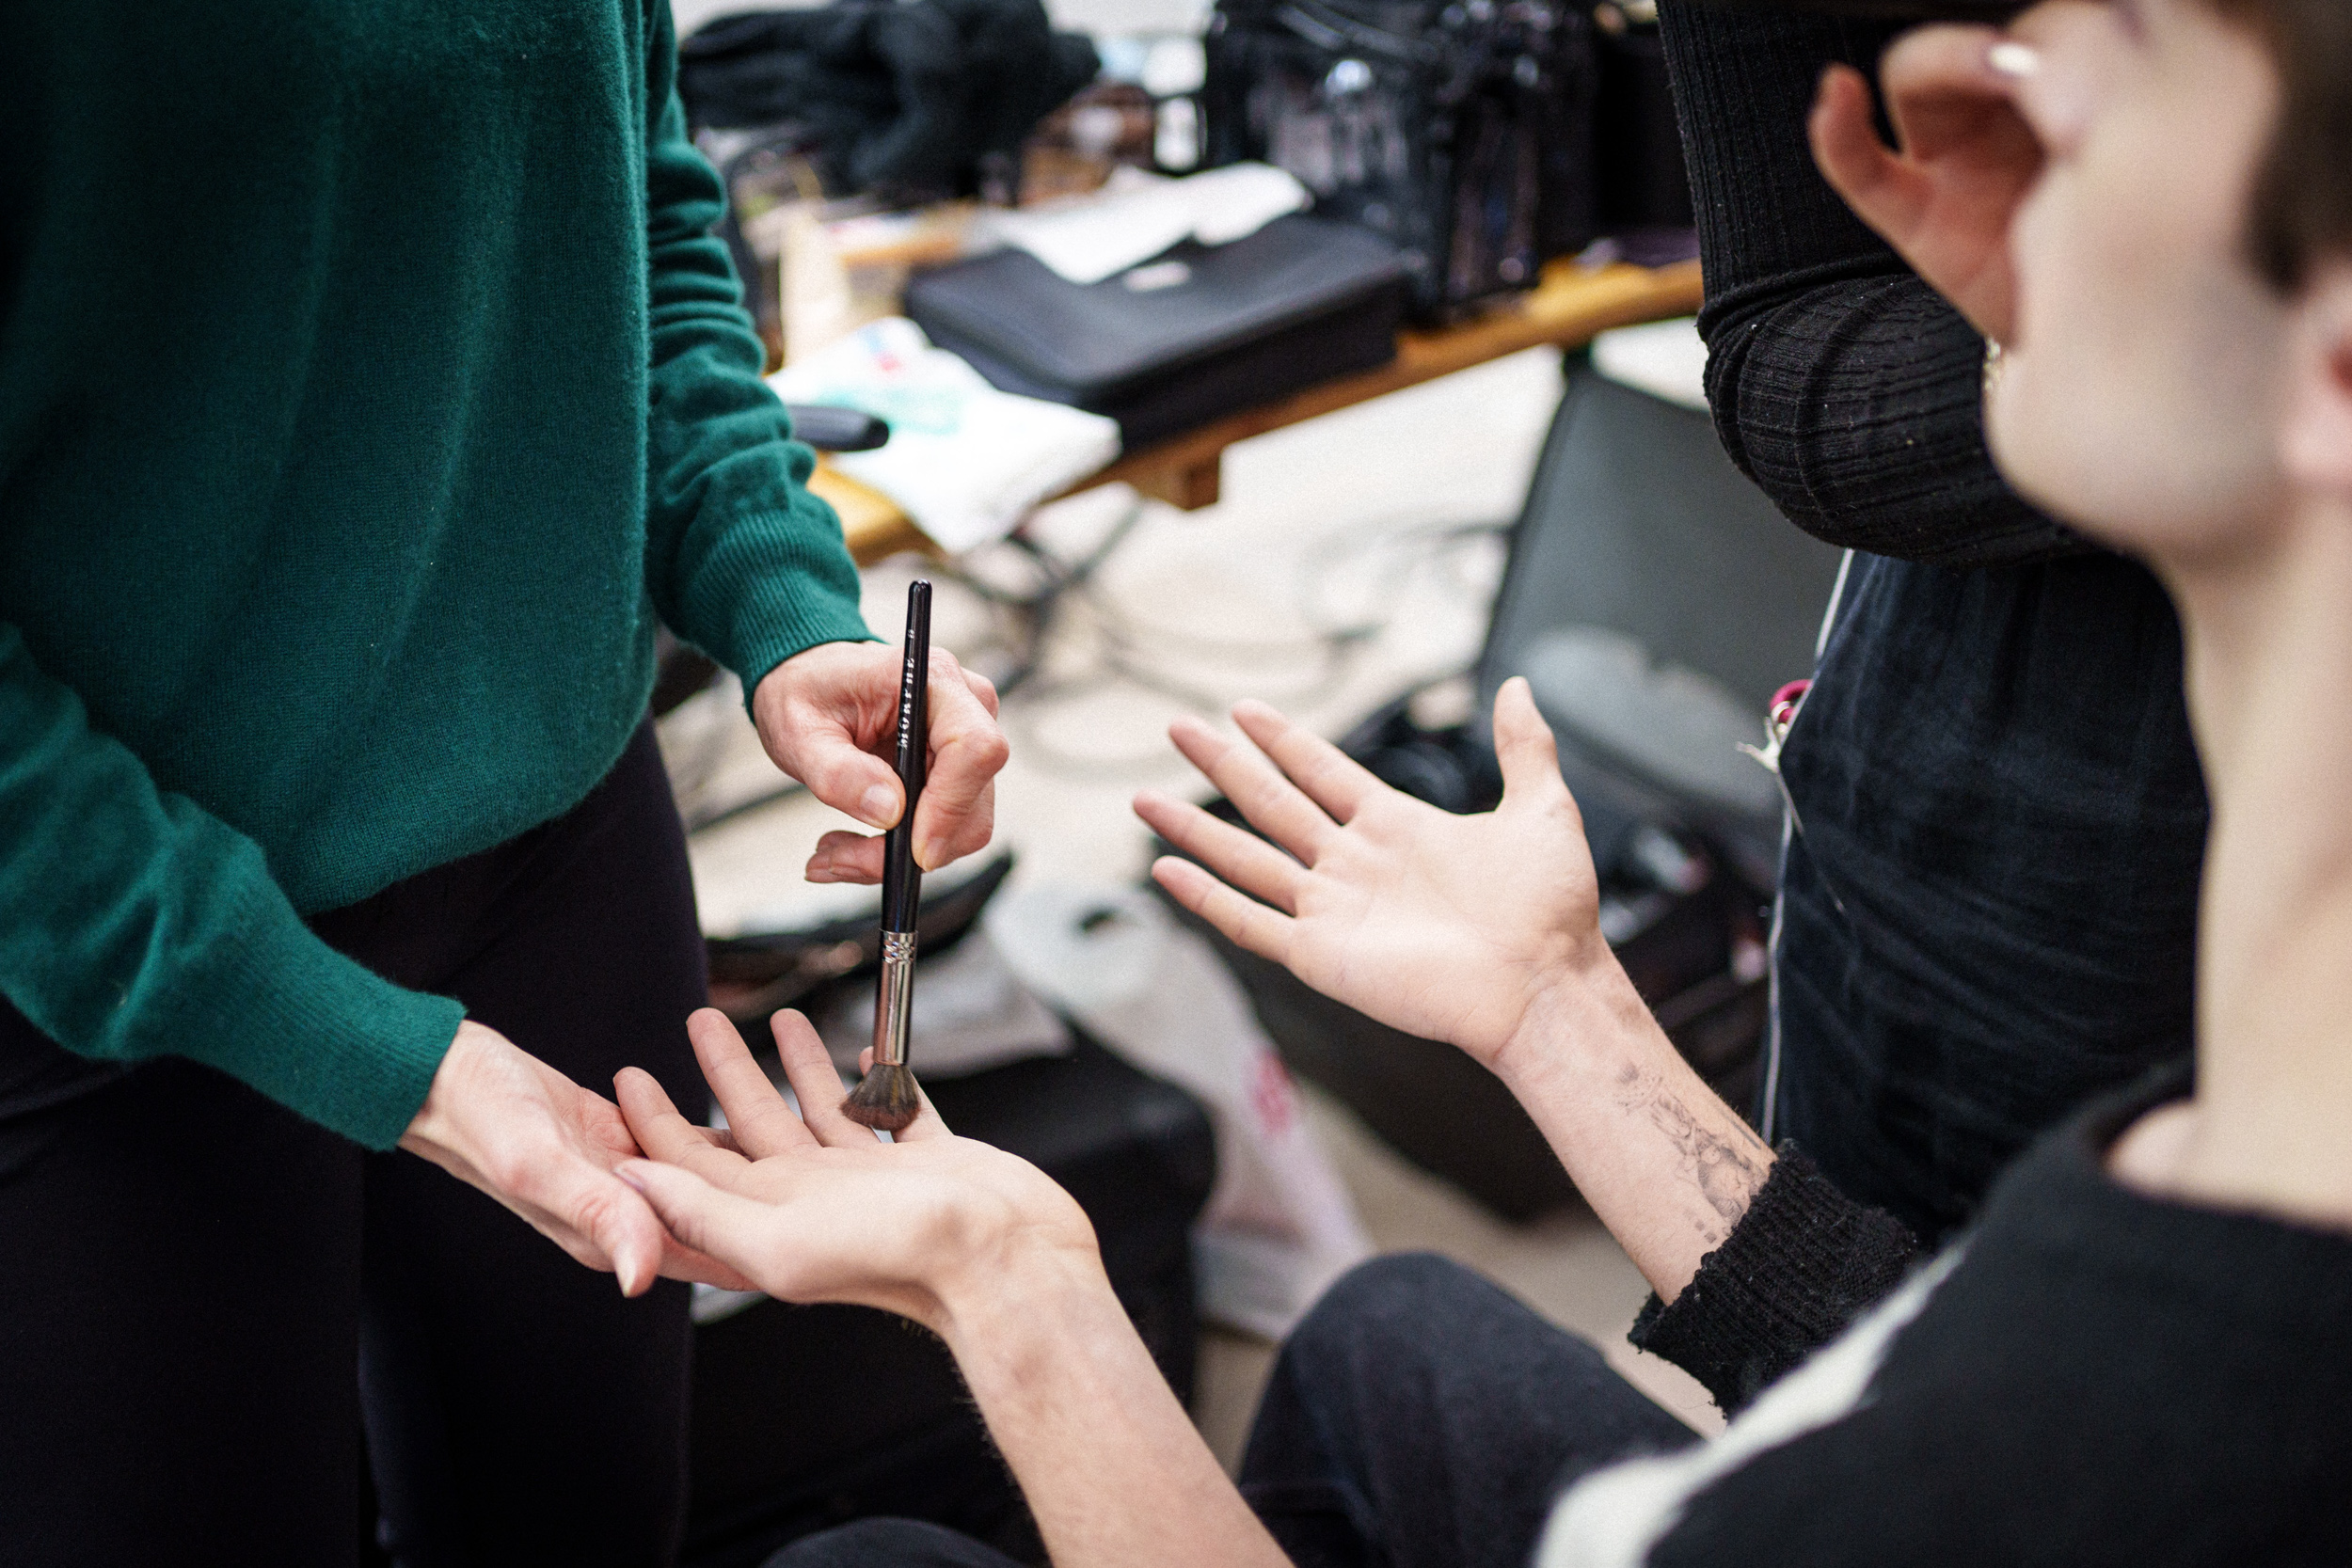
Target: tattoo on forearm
1726	1171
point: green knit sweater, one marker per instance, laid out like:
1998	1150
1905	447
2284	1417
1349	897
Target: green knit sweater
369	384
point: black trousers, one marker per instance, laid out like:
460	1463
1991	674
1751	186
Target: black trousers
203	1297
1419	1418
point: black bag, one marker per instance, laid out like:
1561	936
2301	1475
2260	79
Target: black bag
808	1417
1197	334
1463	134
1639	184
908	98
753	976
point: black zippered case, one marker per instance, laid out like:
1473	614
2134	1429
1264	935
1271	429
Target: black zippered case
1187	338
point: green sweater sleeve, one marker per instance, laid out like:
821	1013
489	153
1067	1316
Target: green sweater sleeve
134	925
740	558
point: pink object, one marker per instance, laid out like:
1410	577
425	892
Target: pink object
1785	701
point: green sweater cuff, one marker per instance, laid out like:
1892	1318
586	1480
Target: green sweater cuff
280	1011
788	585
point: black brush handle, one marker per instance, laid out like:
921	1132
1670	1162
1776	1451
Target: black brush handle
832	429
902	879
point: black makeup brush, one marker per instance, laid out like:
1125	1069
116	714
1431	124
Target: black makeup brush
887	1097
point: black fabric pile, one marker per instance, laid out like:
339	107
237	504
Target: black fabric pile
898	96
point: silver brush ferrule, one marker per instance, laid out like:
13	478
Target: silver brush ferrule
894	1003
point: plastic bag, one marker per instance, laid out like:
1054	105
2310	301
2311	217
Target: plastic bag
1279	1225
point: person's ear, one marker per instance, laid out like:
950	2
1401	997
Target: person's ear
2318	436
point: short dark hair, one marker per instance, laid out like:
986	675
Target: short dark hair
2302	210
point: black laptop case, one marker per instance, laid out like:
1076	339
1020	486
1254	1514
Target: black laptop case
1187	338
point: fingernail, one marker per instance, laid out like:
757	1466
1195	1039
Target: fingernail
927	854
2015	60
879	806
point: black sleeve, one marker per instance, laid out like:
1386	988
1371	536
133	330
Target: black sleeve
1804	1261
1842	385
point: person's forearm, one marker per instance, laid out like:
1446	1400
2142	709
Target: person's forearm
1681	1180
1843	385
1667	1166
1112	1467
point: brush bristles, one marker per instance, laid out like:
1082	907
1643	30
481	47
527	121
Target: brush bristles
885	1098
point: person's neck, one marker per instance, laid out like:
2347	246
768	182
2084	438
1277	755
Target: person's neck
2269	636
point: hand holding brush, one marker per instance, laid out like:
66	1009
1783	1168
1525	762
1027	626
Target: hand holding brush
887	1097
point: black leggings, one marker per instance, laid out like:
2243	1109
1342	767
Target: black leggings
203	1295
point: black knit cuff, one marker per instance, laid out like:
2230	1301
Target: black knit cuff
1803	1263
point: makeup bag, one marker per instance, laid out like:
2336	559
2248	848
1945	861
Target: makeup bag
808	1416
1462	133
1188	337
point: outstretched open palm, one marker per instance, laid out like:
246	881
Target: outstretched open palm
1445	927
811	1207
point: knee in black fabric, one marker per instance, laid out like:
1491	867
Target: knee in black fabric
1344	1369
1401	1299
889	1544
1420	1416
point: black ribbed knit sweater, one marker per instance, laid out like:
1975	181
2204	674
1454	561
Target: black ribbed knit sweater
2094	1376
1987	914
1842	383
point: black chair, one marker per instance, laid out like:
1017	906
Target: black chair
1644	555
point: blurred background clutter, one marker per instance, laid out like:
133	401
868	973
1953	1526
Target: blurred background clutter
1328	351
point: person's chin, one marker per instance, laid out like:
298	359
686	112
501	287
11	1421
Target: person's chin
2037	440
2130	471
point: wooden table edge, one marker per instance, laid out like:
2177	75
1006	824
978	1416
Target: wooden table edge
1570	307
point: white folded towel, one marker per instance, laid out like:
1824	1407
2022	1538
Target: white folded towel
965	460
